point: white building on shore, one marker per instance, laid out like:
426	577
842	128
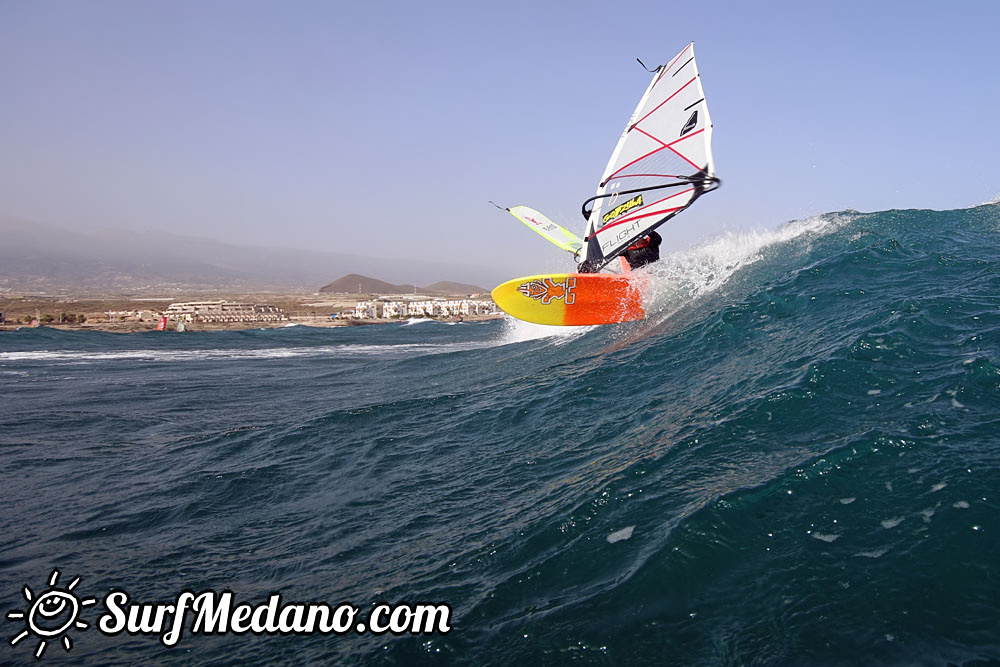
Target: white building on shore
392	309
224	312
424	308
366	310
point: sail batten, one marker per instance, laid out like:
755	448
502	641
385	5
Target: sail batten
665	144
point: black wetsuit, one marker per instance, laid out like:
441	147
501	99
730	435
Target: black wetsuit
647	252
644	251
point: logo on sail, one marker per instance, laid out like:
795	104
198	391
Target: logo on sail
690	124
546	289
622	208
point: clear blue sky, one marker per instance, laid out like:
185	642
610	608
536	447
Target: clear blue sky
383	128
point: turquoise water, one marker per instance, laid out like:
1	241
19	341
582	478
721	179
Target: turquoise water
794	460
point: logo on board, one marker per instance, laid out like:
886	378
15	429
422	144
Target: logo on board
546	289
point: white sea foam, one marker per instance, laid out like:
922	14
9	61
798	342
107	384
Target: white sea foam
519	331
683	275
621	535
826	537
875	553
336	351
892	523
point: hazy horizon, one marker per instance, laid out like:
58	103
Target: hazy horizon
32	252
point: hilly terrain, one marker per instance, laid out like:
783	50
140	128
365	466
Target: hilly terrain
357	284
40	257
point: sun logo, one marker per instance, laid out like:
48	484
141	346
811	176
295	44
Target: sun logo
51	614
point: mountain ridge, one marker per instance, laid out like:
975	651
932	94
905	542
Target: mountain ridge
354	283
37	256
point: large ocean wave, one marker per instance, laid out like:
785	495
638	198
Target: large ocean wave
793	460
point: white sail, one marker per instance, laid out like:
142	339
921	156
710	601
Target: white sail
662	163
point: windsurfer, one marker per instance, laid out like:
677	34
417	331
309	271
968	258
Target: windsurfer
644	251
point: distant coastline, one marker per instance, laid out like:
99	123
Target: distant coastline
108	313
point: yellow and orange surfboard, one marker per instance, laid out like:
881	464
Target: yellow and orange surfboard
572	299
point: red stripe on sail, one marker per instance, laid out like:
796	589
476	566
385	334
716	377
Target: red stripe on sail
674	61
635	126
648	176
641	157
632	216
664	101
639	217
642	131
684	157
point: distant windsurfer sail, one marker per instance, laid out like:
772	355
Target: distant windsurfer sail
660	166
550	231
